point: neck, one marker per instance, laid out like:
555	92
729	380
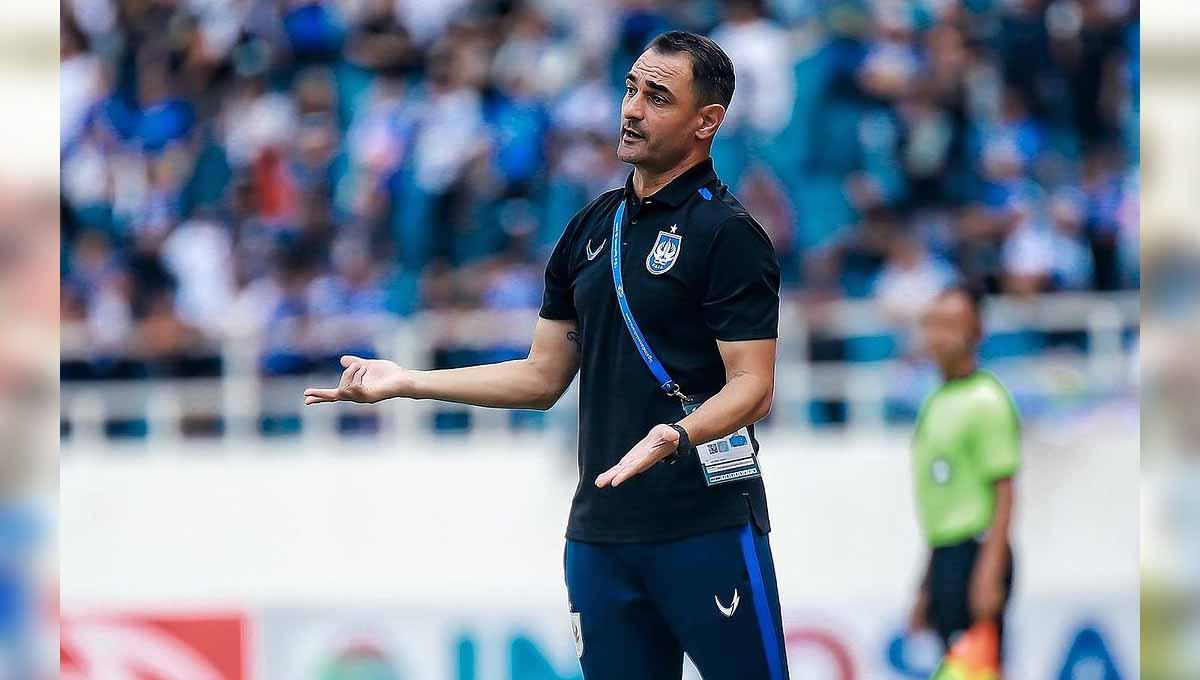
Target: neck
647	181
960	368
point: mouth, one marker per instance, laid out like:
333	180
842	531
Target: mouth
628	135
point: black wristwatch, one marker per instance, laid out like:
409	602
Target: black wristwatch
684	447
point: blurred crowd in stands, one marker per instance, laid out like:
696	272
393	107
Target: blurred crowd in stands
302	169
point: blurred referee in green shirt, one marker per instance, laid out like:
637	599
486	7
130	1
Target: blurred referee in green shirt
965	453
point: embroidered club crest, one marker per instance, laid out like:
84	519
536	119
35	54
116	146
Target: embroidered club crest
664	253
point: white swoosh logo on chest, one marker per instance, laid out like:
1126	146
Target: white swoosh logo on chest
593	255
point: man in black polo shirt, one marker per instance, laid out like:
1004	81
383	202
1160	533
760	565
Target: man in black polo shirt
664	296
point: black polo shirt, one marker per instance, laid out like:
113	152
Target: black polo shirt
721	284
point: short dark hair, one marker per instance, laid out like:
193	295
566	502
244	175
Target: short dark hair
970	289
712	71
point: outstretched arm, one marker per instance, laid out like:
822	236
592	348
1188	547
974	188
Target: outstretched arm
535	382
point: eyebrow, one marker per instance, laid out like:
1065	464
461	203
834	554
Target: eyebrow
651	84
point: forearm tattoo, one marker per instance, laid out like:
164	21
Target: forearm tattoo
574	337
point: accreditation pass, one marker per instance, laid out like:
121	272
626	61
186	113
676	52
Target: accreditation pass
728	459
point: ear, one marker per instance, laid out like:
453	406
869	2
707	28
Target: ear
977	330
711	117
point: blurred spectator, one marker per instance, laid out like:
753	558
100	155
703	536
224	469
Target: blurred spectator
762	55
909	280
162	332
348	301
1048	252
81	79
198	253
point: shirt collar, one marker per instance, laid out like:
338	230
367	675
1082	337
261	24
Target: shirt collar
678	189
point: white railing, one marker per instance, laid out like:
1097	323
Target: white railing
241	396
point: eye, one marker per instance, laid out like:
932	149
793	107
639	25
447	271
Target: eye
629	90
659	99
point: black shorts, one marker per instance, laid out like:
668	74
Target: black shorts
950	570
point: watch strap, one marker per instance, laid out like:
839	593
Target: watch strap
683	448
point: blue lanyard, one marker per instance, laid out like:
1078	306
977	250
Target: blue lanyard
660	372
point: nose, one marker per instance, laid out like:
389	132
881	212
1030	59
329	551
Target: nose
631	109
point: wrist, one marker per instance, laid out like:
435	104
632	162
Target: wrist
411	385
683	447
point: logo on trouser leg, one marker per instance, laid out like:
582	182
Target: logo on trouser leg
577	631
728	611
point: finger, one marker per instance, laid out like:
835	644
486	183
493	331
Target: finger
359	372
623	475
642	462
319	395
637	467
347	376
348	359
606	477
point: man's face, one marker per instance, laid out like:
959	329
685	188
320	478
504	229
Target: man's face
951	330
659	114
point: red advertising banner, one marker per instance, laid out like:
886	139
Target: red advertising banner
166	647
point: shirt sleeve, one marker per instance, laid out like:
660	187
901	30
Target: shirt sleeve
998	435
558	298
741	297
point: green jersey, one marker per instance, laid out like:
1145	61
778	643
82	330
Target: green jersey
968	437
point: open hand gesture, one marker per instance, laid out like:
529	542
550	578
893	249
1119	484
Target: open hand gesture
364	381
655	446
